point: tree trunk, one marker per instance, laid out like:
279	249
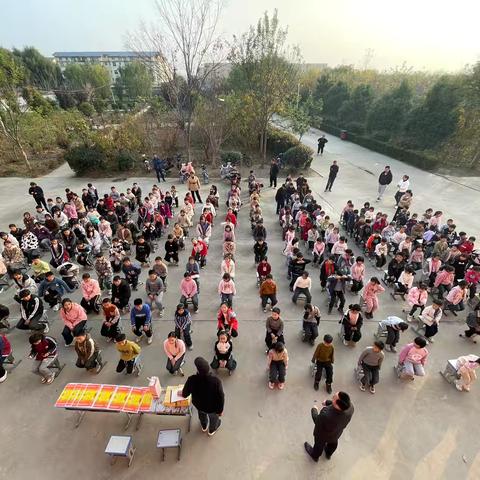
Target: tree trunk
260	146
188	138
24	155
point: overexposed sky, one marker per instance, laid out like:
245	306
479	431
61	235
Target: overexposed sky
425	34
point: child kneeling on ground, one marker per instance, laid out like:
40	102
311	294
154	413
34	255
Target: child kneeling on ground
223	353
128	352
412	358
277	366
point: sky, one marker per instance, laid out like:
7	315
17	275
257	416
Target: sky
423	34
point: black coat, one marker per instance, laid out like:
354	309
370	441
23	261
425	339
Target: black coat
122	291
207	393
330	423
274	170
385	178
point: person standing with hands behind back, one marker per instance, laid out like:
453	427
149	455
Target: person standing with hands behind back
329	422
322	141
207	396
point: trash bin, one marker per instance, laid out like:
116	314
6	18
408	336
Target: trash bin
343	135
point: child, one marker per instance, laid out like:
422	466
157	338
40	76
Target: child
413	358
466	368
317	252
372	289
371	361
323	359
394	325
260	250
417	298
87	352
268	291
223	353
274	326
277	366
111	317
175	349
226	289
311	321
128	352
357	272
44	353
431	318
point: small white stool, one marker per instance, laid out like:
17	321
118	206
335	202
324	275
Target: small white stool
170	439
120	446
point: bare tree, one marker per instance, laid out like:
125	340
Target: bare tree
183	51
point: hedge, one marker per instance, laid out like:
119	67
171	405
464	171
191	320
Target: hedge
279	141
420	160
297	158
231	156
83	158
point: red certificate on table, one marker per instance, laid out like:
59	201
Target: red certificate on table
88	396
119	398
104	396
68	395
134	400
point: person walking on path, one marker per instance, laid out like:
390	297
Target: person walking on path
332	176
384	180
329	422
274	169
207	396
403	185
37	193
321	144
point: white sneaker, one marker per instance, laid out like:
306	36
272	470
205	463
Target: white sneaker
2	379
149	340
56	308
46	329
138	339
430	340
409	318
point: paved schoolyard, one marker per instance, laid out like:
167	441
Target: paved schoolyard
424	429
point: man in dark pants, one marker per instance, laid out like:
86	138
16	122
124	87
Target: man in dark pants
38	195
321	144
274	173
159	167
280	197
331	176
329	422
207	396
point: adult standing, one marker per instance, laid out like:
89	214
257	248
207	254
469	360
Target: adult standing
274	169
384	180
159	167
403	185
280	198
329	422
38	195
207	396
194	186
321	144
332	176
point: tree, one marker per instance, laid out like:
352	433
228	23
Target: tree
12	76
186	41
389	112
354	111
87	82
432	122
324	83
215	121
265	68
299	119
40	71
334	98
135	81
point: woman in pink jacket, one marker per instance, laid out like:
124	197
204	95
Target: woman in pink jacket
90	294
417	298
358	274
370	292
455	298
74	318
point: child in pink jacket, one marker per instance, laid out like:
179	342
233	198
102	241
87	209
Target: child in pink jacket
417	298
412	358
74	318
456	298
370	292
90	294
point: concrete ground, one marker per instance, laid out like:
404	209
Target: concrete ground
417	430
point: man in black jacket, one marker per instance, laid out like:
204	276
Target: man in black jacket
31	312
121	293
207	396
332	176
329	422
384	180
321	144
274	173
280	197
38	195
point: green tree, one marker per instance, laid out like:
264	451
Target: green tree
87	82
135	82
265	68
432	122
12	78
324	83
40	71
299	119
37	102
354	110
388	114
334	98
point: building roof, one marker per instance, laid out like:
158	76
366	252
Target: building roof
104	54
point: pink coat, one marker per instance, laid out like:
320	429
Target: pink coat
72	318
90	289
456	295
421	353
371	290
358	271
444	278
417	297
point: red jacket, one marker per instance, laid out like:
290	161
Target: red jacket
228	321
263	269
5	347
231	218
201	248
466	247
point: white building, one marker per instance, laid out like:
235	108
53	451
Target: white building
112	61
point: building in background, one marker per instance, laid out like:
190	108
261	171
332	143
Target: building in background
112	61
